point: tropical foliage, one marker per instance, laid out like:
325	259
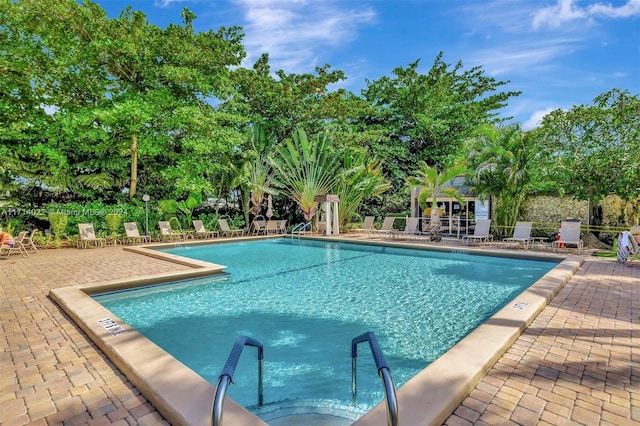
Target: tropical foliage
502	159
99	110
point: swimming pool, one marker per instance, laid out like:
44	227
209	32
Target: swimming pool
306	300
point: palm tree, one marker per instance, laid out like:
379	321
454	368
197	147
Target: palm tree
502	158
430	182
304	168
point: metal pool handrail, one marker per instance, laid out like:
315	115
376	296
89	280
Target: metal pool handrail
300	228
227	375
383	371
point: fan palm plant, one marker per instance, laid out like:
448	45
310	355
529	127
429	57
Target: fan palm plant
303	168
430	182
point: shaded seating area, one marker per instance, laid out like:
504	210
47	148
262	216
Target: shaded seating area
88	236
16	245
569	235
227	231
521	234
132	235
168	234
201	231
481	233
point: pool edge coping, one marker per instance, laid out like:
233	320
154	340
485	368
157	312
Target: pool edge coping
428	398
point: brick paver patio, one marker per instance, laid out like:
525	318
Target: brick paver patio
578	363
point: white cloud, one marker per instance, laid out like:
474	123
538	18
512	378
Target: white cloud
295	32
568	10
536	118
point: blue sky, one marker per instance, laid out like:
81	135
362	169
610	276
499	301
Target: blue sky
559	53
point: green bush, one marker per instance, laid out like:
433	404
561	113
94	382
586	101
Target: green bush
58	223
113	222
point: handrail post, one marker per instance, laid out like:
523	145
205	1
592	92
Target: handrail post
383	371
226	377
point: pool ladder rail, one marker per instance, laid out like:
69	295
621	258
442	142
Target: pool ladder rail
381	364
301	228
227	375
383	371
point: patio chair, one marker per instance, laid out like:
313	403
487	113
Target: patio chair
203	232
258	226
569	235
225	230
386	228
272	226
133	235
88	236
282	226
521	234
480	232
410	228
168	234
367	225
28	243
18	244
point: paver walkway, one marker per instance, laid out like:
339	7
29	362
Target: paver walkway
578	362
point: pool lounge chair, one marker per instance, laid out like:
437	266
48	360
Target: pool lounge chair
387	227
225	230
367	225
88	236
521	234
201	231
480	232
410	229
569	235
28	243
18	244
168	234
133	235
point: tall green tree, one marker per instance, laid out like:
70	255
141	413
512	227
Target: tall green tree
427	117
430	182
124	96
503	159
591	151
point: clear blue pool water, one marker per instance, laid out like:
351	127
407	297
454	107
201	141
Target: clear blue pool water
306	300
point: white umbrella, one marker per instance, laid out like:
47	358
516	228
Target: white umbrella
269	207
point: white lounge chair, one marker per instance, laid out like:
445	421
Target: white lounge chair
225	230
202	231
569	235
367	225
133	235
88	236
480	232
521	234
28	243
410	229
168	234
387	226
18	244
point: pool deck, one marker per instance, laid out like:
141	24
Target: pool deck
577	363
